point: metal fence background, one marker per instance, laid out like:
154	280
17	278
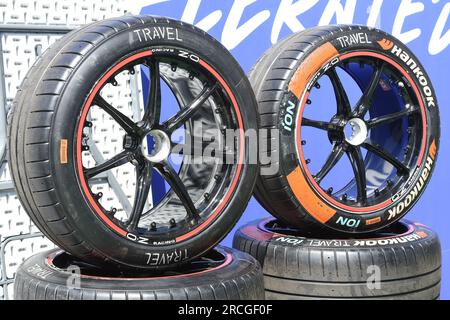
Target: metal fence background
27	28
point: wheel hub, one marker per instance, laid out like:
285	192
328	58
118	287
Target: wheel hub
161	146
356	132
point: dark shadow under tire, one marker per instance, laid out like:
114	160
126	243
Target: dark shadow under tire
403	262
222	274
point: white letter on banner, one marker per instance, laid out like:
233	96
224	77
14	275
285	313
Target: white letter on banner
407	8
191	11
233	34
374	14
438	43
288	13
344	13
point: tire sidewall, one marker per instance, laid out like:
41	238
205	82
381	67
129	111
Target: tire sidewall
77	208
406	198
413	232
277	244
40	268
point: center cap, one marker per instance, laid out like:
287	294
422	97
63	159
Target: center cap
161	147
356	132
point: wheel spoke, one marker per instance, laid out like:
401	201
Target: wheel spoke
172	178
184	114
315	124
359	170
333	159
366	100
116	161
143	183
371	147
391	117
342	101
126	123
153	106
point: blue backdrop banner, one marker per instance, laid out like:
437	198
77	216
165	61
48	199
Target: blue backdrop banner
249	27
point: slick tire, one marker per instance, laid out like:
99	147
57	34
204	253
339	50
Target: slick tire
403	262
286	83
47	129
223	274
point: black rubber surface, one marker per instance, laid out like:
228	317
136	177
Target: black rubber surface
405	261
271	78
46	110
238	279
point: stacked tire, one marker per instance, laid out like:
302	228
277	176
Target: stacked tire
221	274
116	246
401	263
338	232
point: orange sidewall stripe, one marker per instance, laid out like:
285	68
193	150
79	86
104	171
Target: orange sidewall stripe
310	67
309	200
298	183
296	179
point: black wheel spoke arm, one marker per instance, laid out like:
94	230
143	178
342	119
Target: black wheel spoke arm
359	169
187	112
126	123
371	147
143	183
332	160
392	117
343	104
153	105
366	100
116	161
322	125
172	178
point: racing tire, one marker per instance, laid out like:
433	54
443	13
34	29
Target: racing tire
400	263
222	274
394	134
50	142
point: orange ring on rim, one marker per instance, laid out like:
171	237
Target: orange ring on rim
311	180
